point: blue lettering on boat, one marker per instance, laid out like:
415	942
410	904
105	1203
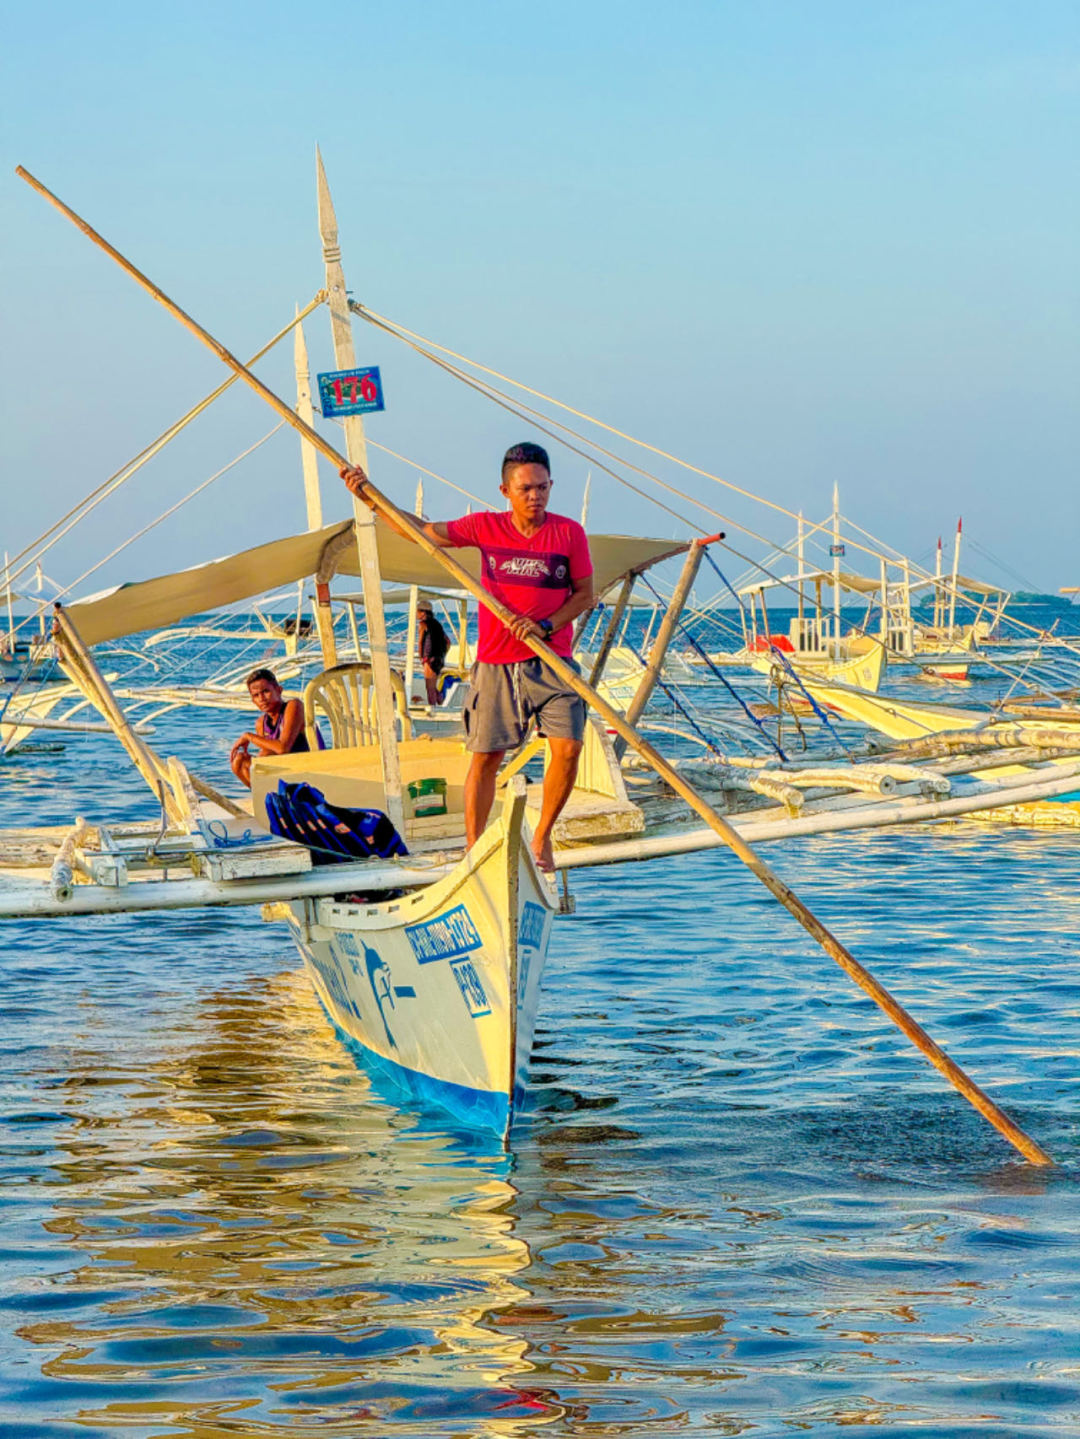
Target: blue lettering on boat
329	970
472	990
531	928
452	934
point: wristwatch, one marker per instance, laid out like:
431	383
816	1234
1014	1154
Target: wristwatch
547	627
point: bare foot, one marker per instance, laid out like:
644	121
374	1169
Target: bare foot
543	854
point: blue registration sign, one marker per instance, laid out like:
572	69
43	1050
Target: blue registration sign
837	551
350	392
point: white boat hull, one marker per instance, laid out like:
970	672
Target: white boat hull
438	990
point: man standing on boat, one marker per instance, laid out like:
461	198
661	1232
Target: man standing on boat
537	564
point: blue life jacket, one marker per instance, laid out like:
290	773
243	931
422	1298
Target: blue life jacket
333	833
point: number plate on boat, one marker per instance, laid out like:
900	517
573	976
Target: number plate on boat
350	392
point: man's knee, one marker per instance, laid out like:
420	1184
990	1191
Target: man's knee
566	750
487	762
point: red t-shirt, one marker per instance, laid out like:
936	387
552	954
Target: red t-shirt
530	576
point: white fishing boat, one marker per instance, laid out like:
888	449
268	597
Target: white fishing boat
428	959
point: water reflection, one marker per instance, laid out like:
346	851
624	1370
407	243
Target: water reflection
739	1203
253	1242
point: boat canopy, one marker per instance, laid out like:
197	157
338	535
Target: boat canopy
128	609
859	584
975	587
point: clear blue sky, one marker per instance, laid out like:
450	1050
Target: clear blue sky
794	242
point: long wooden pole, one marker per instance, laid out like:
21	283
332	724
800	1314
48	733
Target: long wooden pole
772	882
79	665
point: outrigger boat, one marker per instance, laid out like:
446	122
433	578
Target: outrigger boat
427	958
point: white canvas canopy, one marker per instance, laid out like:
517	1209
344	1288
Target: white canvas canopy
149	604
859	584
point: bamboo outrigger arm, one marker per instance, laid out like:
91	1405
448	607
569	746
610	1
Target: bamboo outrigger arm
569	676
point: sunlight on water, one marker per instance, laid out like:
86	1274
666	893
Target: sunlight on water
738	1202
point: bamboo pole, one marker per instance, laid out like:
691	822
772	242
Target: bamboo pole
664	635
79	665
565	672
617	612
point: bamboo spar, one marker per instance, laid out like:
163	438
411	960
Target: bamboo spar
772	882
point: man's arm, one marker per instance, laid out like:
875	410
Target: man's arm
577	602
437	532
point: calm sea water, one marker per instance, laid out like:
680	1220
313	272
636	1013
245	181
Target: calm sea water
739	1203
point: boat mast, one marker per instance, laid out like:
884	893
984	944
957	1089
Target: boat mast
836	562
364	518
955	578
585	499
939	607
414	596
10	608
309	460
304	408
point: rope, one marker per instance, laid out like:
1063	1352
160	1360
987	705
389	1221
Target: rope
525	412
714	669
374	445
416	341
115	480
724	578
822	715
153	523
677	702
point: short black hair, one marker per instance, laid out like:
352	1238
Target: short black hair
525	454
262	675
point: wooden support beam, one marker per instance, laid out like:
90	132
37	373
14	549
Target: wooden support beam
664	635
612	628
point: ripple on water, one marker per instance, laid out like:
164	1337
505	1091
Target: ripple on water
737	1202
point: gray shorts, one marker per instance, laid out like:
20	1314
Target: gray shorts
503	698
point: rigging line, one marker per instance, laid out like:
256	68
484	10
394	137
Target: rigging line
728	685
520	410
153	523
726	581
401	332
374	318
374	445
115	480
678	704
1007	569
821	714
417	342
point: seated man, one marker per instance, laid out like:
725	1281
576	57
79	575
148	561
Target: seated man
278	730
538	565
432	643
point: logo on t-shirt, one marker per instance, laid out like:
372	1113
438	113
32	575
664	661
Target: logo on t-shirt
543	570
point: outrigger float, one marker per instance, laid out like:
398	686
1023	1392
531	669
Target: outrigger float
426	957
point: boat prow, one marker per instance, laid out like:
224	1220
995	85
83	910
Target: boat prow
437	990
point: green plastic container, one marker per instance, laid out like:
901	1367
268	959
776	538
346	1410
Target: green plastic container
428	797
